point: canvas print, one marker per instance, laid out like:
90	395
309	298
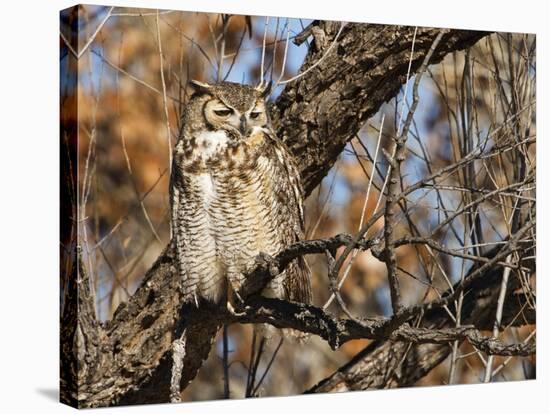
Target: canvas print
262	206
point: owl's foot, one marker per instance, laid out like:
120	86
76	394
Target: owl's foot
238	298
233	311
233	293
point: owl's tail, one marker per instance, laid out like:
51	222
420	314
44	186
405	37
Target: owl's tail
297	284
297	288
300	291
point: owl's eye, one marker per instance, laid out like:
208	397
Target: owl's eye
223	112
254	115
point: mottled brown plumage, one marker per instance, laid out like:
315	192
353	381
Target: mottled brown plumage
235	192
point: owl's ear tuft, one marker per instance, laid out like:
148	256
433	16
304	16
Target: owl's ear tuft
264	90
200	87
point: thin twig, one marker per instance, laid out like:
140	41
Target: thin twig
269	364
141	203
129	14
225	361
78	55
134	78
363	210
407	82
283	66
263	52
498	317
300	75
393	189
164	101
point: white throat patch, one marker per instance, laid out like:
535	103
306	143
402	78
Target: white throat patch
212	142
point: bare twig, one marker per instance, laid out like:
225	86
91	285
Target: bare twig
140	199
268	367
225	362
164	101
369	186
393	187
78	55
498	317
309	69
399	129
263	51
134	78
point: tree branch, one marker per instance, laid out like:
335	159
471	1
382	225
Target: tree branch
310	319
375	366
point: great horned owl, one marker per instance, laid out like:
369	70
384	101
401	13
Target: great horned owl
235	192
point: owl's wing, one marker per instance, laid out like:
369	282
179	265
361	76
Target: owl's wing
289	196
288	185
177	238
173	193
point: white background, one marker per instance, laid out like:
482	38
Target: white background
29	204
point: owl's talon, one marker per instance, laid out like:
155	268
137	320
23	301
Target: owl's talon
232	310
234	292
239	298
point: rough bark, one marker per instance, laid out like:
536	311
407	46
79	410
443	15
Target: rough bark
129	360
319	113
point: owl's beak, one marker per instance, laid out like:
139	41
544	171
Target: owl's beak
242	125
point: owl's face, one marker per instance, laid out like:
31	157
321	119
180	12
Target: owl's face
233	107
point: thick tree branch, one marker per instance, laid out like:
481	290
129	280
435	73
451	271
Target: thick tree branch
311	319
129	359
307	318
318	114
